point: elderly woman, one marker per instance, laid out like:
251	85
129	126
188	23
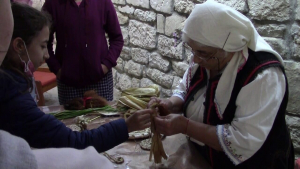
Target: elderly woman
235	95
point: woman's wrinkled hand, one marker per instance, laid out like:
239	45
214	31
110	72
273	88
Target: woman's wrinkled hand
164	105
171	124
139	120
152	101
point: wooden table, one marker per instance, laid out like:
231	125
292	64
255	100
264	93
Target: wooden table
181	152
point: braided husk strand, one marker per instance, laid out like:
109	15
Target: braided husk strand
157	149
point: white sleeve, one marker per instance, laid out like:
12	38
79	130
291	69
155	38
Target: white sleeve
15	152
257	106
56	158
180	90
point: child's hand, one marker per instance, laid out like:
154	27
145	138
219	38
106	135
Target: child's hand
139	120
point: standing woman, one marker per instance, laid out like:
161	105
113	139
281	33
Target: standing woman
83	60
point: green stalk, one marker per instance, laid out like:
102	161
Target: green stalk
74	113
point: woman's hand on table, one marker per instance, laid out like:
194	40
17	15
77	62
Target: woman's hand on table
139	120
171	124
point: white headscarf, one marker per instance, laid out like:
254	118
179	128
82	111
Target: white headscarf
220	26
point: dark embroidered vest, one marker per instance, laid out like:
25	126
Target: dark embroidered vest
277	150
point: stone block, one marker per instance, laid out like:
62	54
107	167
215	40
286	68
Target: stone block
126	9
135	82
117	94
147	16
142	35
160	78
125	54
133	69
145	82
179	67
158	62
239	5
120	65
293	124
278	45
123	82
173	23
165	93
160	23
140	55
164	6
139	3
297	10
296	52
166	48
295	32
125	34
122	18
269	10
184	6
271	30
292	70
119	2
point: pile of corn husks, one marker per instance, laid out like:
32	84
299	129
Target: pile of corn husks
137	98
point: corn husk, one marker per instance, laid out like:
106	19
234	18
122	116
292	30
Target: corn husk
157	149
131	103
137	98
150	91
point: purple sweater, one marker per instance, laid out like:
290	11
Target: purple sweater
81	43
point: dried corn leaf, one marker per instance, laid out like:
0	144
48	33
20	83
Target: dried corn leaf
157	148
127	102
138	101
146	99
149	91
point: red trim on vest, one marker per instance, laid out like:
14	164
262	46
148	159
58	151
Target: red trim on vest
211	102
217	111
191	88
251	74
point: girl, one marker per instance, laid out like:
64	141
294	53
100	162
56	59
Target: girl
19	113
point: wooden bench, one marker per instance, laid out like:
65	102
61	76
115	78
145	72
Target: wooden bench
44	80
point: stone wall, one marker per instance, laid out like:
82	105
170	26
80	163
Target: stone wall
149	55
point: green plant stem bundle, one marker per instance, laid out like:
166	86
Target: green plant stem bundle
74	113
